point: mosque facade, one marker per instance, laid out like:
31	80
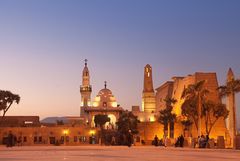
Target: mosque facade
104	103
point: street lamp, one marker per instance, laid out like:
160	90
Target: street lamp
92	133
65	132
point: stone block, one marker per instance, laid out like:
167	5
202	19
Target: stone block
211	144
185	143
168	142
220	142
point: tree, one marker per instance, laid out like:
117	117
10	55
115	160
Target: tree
196	92
232	86
7	98
127	122
212	112
186	123
100	120
189	110
166	116
127	127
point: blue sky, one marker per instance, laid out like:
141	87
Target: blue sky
43	45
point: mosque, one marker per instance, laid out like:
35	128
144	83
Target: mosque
104	103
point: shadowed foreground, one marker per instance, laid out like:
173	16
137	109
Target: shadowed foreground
103	153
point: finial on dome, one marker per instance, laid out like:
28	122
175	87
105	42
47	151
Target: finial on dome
105	84
85	62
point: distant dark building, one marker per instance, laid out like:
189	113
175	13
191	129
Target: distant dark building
20	121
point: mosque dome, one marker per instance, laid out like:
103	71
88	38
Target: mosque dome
105	98
105	92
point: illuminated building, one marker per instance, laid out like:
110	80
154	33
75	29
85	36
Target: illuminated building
104	103
85	88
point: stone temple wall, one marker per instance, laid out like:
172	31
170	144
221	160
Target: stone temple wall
179	83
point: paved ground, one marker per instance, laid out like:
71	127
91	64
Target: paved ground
116	153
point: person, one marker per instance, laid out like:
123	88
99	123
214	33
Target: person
113	141
181	140
129	139
10	139
206	141
165	141
143	142
198	141
202	141
177	144
19	141
161	142
155	141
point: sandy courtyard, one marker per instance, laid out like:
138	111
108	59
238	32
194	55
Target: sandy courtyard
108	153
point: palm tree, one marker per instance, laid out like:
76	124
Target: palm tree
186	123
232	86
7	98
196	92
166	116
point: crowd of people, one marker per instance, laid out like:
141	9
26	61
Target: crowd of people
159	142
201	142
180	141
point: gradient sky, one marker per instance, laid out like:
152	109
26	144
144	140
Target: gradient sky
43	45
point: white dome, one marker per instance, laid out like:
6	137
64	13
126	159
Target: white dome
105	98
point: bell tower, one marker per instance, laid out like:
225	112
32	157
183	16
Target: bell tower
148	95
85	88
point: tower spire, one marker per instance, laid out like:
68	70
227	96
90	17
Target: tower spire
85	62
148	95
105	84
85	88
148	82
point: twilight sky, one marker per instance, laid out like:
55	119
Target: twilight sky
43	45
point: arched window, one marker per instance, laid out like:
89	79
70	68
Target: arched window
104	104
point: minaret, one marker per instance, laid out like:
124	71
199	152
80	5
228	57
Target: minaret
85	88
232	109
148	95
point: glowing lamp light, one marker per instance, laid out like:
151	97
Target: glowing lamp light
97	99
152	119
65	132
141	119
89	103
92	132
95	104
114	104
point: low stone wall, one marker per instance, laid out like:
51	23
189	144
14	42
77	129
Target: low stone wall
49	135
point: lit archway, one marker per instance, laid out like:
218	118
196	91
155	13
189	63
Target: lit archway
112	123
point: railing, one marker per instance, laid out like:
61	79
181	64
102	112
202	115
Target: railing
85	88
